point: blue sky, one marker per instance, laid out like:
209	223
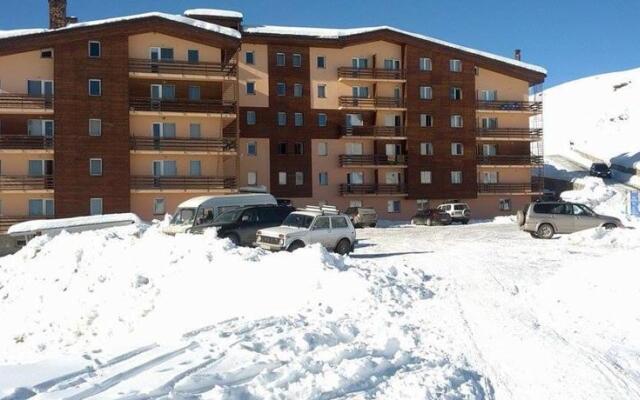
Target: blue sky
571	38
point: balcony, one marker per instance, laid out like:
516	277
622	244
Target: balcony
182	106
183	183
371	74
373	190
510	188
534	107
19	183
23	104
183	145
509	134
12	143
375	132
373	160
510	160
144	68
371	103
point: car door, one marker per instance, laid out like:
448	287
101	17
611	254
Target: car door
562	218
339	229
248	226
321	232
583	218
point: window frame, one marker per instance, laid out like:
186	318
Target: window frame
455	146
453	63
159	200
99	133
91	200
427	147
93	42
324	62
253	57
428	121
252	85
426	177
91	163
323	120
426	92
282	178
93	80
299	181
456	173
428	62
283	56
251	121
295	64
322	145
298	119
253	144
298	90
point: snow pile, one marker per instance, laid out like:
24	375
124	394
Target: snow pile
505	219
212	12
593	193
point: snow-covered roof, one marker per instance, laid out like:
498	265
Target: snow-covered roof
212	12
177	18
95	221
328	33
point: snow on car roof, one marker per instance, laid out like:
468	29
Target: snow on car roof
43	225
329	33
213	12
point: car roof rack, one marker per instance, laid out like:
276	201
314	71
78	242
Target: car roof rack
324	210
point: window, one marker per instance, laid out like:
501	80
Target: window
193	56
393	206
339	223
41	208
164	130
164	168
46	53
252	149
251	88
95	87
40	167
426	93
360	62
95	127
361	92
297	60
299	178
321	62
323	178
195	168
422	204
40	127
322	149
95	49
282	148
355	203
297	89
426	121
456	121
252	178
426	149
455	93
163	92
298	149
250	58
505	205
159	206
282	118
39	88
322	91
280	60
455	65
488	95
456	177
425	64
298	119
251	117
425	177
281	89
457	149
194	93
490	177
489	149
489	123
161	54
355	178
354	149
282	178
95	167
322	120
195	131
95	206
392	64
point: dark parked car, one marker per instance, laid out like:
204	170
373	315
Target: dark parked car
240	225
431	217
362	216
601	170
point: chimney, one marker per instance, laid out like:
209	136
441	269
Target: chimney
518	55
57	14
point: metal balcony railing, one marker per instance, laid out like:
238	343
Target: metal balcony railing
204	183
24	102
374	131
370	189
499	188
182	105
371	73
181	67
183	144
510	160
25	142
372	160
21	182
507	105
505	133
371	102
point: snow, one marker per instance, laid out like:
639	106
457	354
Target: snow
62	223
213	12
19	32
330	33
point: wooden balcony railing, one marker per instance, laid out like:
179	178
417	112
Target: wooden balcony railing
371	73
183	144
374	131
20	183
506	105
362	189
181	67
516	133
182	105
510	160
25	142
204	183
24	102
372	160
371	102
499	188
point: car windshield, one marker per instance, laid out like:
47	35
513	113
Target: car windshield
228	217
298	220
600	167
184	216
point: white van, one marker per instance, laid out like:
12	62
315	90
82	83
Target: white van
202	210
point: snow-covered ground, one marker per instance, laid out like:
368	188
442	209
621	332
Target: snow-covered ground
481	311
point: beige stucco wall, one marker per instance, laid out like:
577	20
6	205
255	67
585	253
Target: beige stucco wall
18	164
17	205
336	58
139	47
142	164
259	73
507	120
508	175
142	203
508	88
258	164
209	127
17	69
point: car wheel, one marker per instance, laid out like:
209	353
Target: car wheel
429	222
295	246
545	231
609	226
534	235
465	221
233	238
521	218
343	247
372	225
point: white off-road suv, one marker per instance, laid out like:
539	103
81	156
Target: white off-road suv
324	225
459	212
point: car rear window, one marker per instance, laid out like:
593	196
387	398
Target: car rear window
551	208
459	207
339	222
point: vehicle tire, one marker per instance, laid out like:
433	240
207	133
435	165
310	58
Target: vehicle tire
545	231
343	247
465	221
609	226
233	238
429	222
520	217
295	246
534	235
372	225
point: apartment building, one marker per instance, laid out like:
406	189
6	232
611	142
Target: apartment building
139	113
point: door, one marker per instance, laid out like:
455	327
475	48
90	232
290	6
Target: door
321	232
584	218
249	225
339	230
352	120
392	64
360	62
562	218
391	120
489	177
392	152
354	149
355	178
392	178
489	150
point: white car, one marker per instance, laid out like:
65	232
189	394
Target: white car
459	212
324	225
